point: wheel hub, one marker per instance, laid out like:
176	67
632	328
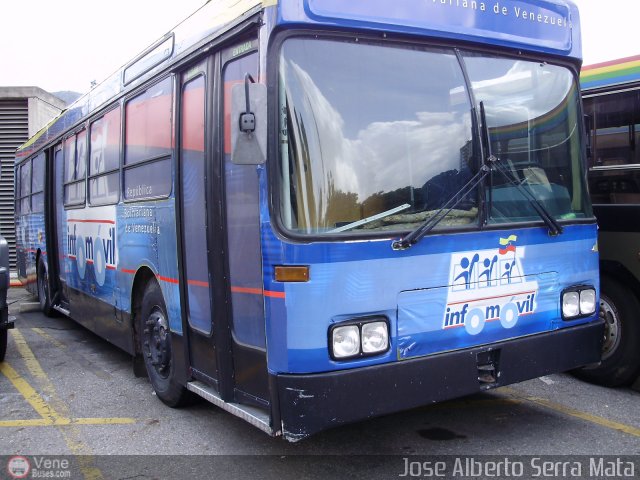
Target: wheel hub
611	328
158	342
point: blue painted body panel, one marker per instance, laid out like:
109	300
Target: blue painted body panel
105	247
412	289
147	236
31	240
541	26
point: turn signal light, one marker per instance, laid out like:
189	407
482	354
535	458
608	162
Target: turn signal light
291	273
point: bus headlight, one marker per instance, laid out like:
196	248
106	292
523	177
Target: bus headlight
375	337
578	302
587	301
359	338
570	304
345	341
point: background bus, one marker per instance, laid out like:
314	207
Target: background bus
611	95
315	212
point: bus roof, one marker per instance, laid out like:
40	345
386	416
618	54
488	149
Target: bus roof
612	73
548	27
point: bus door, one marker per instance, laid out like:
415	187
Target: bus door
221	258
243	246
57	200
201	311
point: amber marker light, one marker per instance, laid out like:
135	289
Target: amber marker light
291	273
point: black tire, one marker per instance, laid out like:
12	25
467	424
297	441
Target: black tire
155	346
3	344
620	363
44	295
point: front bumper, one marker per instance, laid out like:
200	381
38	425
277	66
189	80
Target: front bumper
315	402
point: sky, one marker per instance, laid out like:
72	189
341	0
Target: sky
66	44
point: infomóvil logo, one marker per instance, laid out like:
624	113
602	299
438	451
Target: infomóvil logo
489	286
18	467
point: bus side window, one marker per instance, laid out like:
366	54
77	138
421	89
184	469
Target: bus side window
104	160
25	188
16	183
148	143
75	148
37	183
614	177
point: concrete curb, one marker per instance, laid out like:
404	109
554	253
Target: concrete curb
26	307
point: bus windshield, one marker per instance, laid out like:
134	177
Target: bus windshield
378	138
532	115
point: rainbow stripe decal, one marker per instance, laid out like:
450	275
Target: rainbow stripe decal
614	72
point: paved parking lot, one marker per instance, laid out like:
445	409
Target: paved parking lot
64	391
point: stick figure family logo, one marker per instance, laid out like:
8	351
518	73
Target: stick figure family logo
489	285
18	467
92	242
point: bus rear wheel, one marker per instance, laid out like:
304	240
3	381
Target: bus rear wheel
155	345
620	363
44	296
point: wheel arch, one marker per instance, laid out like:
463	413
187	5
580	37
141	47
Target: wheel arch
617	271
141	279
169	381
621	365
32	281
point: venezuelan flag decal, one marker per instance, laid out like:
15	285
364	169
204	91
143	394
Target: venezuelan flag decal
507	244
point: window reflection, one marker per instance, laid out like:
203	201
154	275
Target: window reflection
379	137
367	129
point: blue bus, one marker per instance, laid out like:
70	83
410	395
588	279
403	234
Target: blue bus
313	212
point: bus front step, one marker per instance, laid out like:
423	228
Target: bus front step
256	417
63	311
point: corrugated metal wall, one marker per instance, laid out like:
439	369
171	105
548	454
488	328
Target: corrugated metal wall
14	131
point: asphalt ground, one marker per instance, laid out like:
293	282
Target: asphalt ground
67	394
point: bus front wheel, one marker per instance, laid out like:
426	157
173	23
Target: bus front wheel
620	363
155	346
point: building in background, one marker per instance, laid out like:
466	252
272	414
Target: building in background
23	111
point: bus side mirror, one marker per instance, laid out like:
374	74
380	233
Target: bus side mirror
588	127
249	123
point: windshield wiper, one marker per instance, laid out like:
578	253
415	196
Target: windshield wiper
370	219
554	227
419	233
